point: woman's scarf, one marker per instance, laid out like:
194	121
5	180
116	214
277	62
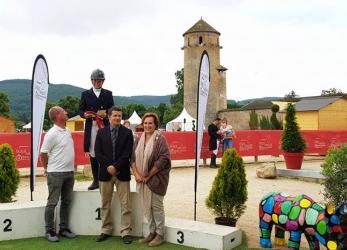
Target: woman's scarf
143	152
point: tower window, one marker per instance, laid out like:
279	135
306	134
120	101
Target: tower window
200	39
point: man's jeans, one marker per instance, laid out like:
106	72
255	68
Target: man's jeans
59	183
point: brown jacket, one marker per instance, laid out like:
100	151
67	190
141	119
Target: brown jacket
160	158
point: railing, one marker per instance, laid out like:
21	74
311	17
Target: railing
182	144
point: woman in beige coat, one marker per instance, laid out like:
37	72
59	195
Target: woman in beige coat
151	166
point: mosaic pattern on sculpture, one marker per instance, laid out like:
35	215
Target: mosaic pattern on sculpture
299	214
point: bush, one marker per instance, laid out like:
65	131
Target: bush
291	138
9	175
275	124
253	120
275	108
334	169
265	123
228	195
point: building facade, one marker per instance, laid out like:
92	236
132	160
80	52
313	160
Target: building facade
322	113
199	38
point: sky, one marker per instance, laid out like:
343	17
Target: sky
270	47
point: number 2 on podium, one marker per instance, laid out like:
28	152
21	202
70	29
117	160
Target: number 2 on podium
8	224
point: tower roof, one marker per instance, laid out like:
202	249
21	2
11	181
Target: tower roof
201	26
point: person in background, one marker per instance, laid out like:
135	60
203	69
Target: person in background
228	134
126	124
57	157
113	149
215	136
93	106
151	165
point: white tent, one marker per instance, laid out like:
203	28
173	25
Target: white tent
184	122
27	126
135	119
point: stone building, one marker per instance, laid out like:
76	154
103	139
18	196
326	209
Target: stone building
199	38
239	118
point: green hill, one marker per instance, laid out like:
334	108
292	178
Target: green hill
19	93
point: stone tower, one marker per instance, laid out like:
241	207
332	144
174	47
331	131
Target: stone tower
198	38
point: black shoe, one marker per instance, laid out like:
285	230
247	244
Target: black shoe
94	186
67	233
213	161
102	237
51	236
127	239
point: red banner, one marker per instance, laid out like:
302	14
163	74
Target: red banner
182	144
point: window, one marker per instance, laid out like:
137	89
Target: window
200	39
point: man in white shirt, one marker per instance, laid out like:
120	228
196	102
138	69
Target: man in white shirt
57	157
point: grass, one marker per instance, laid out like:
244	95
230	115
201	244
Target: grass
81	242
81	177
88	242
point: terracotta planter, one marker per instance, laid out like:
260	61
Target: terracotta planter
225	221
293	160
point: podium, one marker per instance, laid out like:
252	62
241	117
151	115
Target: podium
21	220
85	217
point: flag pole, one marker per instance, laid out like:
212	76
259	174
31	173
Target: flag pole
198	140
39	93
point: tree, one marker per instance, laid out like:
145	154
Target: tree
275	123
291	138
9	175
253	120
47	123
233	105
265	123
179	97
229	194
172	112
70	104
4	104
334	171
332	92
291	97
130	108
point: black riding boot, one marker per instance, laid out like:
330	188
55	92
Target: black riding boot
213	161
95	171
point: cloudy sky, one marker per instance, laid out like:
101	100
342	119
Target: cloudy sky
269	46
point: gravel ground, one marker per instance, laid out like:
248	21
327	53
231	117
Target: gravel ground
179	201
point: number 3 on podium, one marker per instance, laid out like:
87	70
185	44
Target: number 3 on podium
180	237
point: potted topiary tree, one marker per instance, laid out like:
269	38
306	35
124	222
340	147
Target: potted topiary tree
334	169
9	175
228	195
292	142
275	123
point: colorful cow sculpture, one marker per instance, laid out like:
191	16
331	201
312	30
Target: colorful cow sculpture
299	214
